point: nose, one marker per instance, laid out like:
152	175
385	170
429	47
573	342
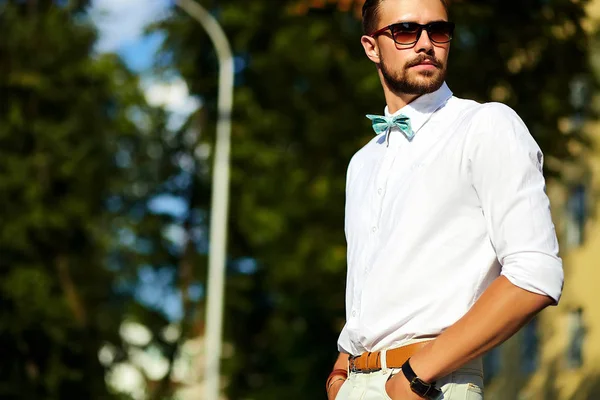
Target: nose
424	43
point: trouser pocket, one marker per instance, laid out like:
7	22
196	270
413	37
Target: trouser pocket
387	377
344	392
465	385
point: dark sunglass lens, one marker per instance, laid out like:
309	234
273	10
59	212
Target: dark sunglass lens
405	32
440	32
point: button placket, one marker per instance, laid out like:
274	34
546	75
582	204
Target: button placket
381	182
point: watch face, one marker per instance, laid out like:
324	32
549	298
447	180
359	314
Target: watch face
419	387
426	390
438	395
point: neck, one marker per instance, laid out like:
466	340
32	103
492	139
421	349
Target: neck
395	101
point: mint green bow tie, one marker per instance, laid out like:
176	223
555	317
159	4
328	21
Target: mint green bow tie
383	124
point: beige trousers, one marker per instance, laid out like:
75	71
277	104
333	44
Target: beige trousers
463	384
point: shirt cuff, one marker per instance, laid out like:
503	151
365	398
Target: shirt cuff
535	272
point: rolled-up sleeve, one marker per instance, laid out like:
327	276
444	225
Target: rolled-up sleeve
506	170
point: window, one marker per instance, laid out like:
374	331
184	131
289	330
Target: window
529	347
576	216
579	98
492	364
576	331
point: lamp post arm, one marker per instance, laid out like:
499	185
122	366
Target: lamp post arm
210	25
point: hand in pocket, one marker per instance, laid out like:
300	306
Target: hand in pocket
397	387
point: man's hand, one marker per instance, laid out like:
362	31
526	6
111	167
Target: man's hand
336	383
398	388
334	389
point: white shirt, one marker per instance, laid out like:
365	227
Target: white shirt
431	222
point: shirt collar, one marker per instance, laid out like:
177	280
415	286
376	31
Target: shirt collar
420	110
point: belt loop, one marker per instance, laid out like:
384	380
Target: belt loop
384	361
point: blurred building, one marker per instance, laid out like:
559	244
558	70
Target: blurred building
557	355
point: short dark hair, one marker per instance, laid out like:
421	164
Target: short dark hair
370	14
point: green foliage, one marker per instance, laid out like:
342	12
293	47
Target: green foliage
300	101
529	55
82	158
64	113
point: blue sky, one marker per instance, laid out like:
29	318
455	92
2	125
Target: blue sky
121	25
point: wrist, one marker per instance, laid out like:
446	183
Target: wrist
334	382
334	377
423	368
419	386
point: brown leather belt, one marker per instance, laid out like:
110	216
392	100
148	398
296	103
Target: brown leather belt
371	362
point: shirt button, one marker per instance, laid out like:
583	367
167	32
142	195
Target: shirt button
354	313
380	190
374	229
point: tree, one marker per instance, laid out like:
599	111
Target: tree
67	130
302	88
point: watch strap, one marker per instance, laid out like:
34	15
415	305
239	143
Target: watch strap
424	389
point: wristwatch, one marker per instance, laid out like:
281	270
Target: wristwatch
420	387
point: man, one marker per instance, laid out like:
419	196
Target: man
451	246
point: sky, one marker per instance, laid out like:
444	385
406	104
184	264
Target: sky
121	25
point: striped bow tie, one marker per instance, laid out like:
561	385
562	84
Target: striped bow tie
383	124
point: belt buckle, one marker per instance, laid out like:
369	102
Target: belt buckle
352	364
353	368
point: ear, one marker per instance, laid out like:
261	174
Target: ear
371	48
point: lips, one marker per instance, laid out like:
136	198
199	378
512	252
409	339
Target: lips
425	62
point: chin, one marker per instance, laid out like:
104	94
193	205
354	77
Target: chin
428	78
426	86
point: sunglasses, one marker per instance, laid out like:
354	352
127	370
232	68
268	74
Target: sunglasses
407	33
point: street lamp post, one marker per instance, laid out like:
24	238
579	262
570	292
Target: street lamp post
220	197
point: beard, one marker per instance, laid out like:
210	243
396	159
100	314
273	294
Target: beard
419	83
